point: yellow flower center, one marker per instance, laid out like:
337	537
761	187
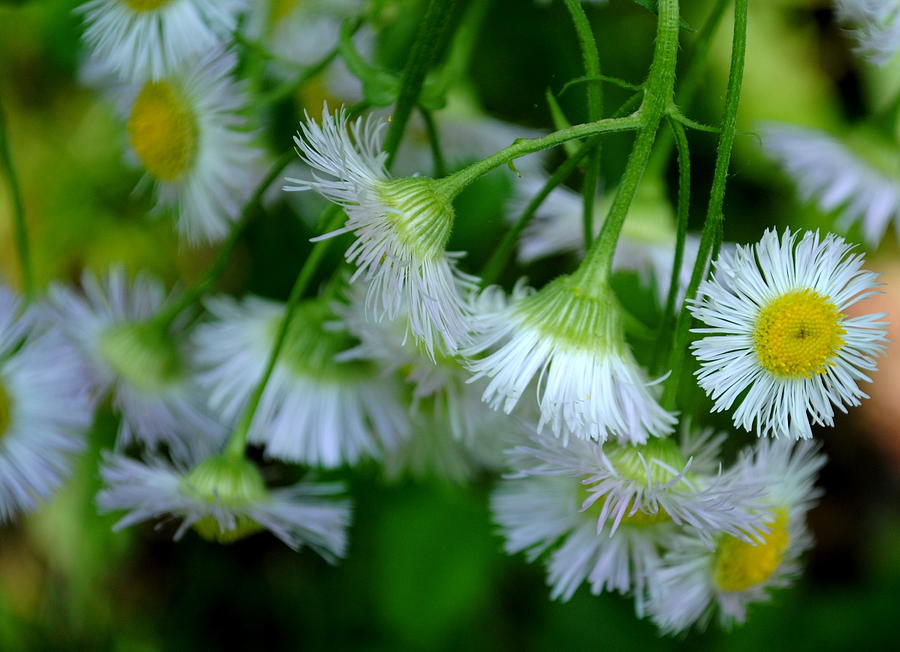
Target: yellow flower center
740	565
798	334
5	409
162	130
145	5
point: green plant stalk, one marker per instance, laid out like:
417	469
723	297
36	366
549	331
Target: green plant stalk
594	89
215	270
434	140
237	443
711	236
463	43
420	60
658	98
18	211
681	227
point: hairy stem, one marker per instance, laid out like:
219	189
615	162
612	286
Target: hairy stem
18	211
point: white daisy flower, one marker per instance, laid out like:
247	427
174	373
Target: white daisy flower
877	26
401	226
568	334
315	409
149	39
695	580
44	409
860	176
646	246
187	132
779	341
143	366
225	499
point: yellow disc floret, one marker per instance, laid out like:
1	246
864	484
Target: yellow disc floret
162	130
146	5
741	565
798	334
5	409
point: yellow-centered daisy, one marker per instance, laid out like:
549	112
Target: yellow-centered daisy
779	341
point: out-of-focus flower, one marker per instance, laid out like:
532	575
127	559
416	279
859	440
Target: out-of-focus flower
778	339
876	26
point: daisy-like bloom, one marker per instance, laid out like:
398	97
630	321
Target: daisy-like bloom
186	131
778	340
315	409
859	176
148	39
612	508
401	227
570	335
877	26
646	246
695	580
44	409
224	499
148	373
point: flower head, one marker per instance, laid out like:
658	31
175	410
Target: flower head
695	580
44	409
569	334
143	39
778	340
316	409
877	26
225	499
401	226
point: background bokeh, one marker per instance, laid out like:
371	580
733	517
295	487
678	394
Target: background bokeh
426	569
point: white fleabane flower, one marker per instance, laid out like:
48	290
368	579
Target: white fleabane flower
149	375
224	499
860	177
44	409
187	132
646	246
315	409
401	228
877	26
778	340
695	580
148	39
569	335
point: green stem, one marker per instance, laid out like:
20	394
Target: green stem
215	270
19	225
591	60
237	443
454	183
681	227
284	90
658	97
434	140
418	63
713	226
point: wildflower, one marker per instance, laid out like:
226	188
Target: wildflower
225	499
186	132
778	339
149	39
694	580
860	176
570	335
44	409
401	226
138	361
315	409
877	24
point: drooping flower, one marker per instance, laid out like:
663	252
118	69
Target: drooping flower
44	408
778	340
148	373
876	26
186	131
401	227
224	499
315	409
695	580
570	336
859	177
612	508
149	39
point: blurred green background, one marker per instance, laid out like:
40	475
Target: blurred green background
426	570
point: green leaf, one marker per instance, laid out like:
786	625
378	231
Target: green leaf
651	6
